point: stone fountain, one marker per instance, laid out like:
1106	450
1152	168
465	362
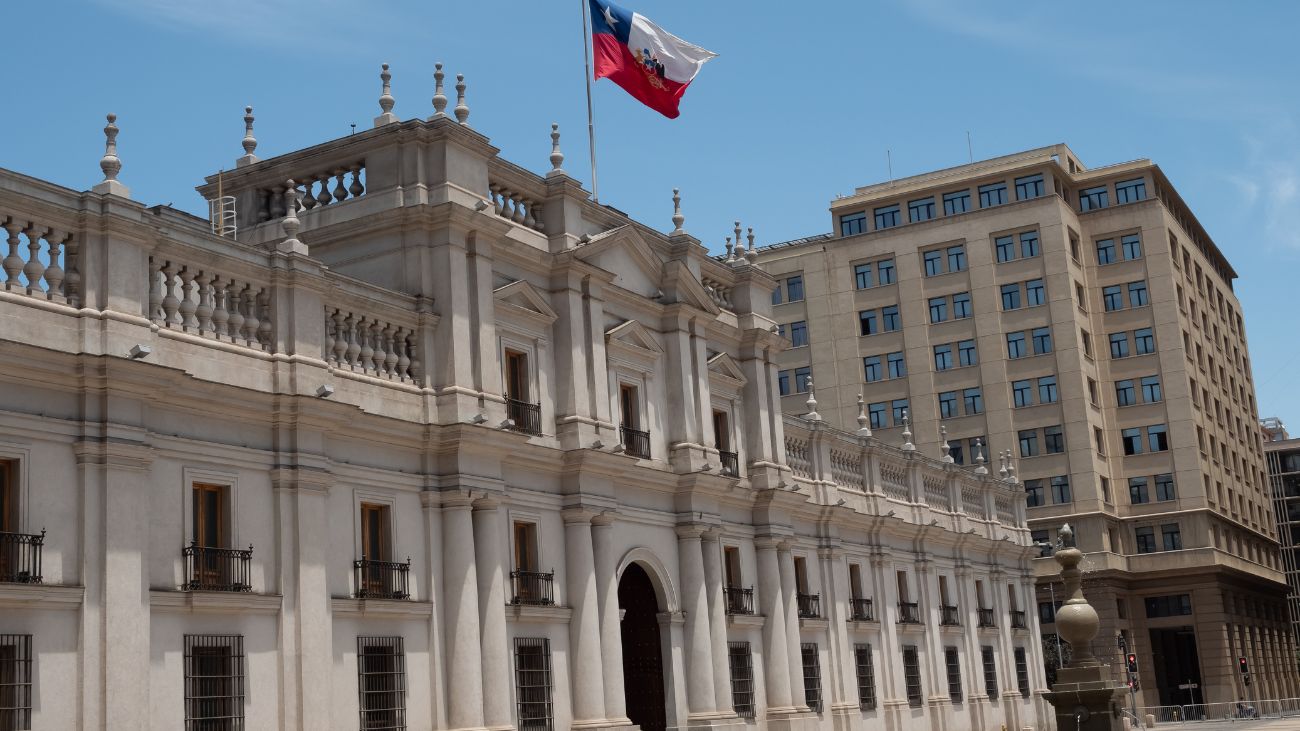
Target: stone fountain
1084	696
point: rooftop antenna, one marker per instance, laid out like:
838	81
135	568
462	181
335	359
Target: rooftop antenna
354	128
889	161
970	153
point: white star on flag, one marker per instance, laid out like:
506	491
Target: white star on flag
609	17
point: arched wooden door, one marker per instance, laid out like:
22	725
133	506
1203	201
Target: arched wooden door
643	663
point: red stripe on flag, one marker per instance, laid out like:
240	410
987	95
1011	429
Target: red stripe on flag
615	62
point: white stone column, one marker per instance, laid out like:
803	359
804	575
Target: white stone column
835	598
700	697
460	587
717	622
584	626
793	652
488	537
611	638
776	652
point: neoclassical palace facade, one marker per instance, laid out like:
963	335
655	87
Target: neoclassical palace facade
424	440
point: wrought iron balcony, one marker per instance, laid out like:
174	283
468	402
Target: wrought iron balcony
738	600
861	610
730	463
533	588
810	605
1018	619
382	579
949	616
20	557
635	442
908	613
527	417
217	569
986	618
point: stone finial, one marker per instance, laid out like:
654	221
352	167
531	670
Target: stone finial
678	218
290	223
980	469
462	109
864	424
439	93
249	142
1002	462
1076	621
751	254
907	433
812	414
386	100
110	163
731	253
736	231
557	157
945	448
1011	469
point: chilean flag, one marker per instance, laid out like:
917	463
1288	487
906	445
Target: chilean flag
650	63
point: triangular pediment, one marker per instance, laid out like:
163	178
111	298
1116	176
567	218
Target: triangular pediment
521	298
634	335
680	285
626	254
725	366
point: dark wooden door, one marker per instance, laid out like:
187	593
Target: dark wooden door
643	665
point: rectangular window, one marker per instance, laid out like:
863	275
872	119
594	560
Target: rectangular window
533	683
16	682
517	375
1030	186
973	401
1022	672
1047	393
1028	442
1176	605
961	306
1144	342
1106	251
867	323
993	194
1042	340
1053	439
1132	245
897	366
1130	191
1151	389
886	217
1005	248
794	288
912	676
957	258
1016	345
920	210
1011	296
1113	297
1146	539
966	353
1022	393
862	276
1165	487
889	318
1125	393
990	672
871	368
1090	199
876	413
214	682
812	676
525	535
956	202
1029	244
866	677
899	410
1132	440
885	271
741	661
1119	345
853	223
1061	490
1137	294
381	683
629	404
1157	438
1137	490
1035	293
938	309
942	357
933	261
1034	495
953	664
1046	612
799	334
947	404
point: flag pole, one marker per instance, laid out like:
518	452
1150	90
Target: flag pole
591	125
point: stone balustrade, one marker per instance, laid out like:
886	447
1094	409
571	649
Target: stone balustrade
719	292
516	194
40	261
213	304
316	190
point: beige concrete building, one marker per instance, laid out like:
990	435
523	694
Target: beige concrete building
410	437
1283	455
1083	320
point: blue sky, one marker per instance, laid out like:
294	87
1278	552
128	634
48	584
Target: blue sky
801	104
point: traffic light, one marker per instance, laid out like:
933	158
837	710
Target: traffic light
1245	669
1132	663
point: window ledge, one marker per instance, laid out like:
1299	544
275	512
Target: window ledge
745	620
380	608
533	614
216	602
814	624
40	596
864	625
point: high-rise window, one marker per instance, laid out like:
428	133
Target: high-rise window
967	355
1137	294
1132	245
794	288
871	368
799	334
1016	345
741	663
1047	390
1165	487
942	357
866	677
1029	244
533	683
1035	293
1029	186
862	276
898	407
1106	251
961	306
1137	490
957	258
1028	439
1157	438
1011	296
897	366
886	217
853	223
381	683
972	401
1130	191
1151	389
1132	440
1146	539
1061	489
876	414
1125	393
990	672
867	323
1033	493
1119	345
912	676
889	318
947	404
1113	297
938	309
956	202
993	194
1144	341
885	271
933	261
1053	439
1042	340
953	664
1022	393
920	210
1093	198
1005	248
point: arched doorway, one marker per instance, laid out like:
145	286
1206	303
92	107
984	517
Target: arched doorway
643	662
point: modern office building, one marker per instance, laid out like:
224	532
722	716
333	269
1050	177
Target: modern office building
1283	456
1085	321
405	436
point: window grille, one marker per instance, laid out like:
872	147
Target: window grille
533	683
951	660
1022	672
912	676
742	678
381	683
990	672
214	682
866	677
812	676
15	681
